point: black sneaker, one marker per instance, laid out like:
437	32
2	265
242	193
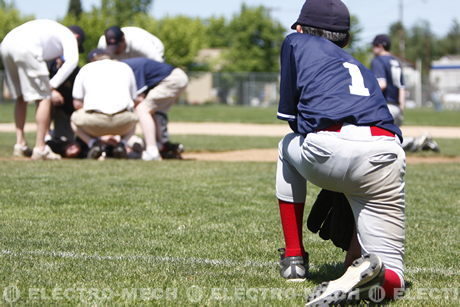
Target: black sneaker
171	150
95	151
361	281
293	268
119	151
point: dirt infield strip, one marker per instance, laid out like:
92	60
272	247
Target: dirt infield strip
271	155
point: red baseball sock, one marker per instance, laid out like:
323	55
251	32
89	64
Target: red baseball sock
292	221
392	284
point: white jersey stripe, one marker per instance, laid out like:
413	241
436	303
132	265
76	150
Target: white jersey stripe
285	115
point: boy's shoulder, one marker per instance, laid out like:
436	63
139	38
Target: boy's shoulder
301	38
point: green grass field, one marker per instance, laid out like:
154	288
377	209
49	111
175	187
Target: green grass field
242	114
192	233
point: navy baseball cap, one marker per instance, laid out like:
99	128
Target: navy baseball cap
95	52
329	15
383	40
113	37
80	36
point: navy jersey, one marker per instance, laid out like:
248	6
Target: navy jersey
322	85
387	67
148	73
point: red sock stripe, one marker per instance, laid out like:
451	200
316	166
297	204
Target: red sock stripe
392	284
292	221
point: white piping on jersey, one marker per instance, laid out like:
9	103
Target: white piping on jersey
142	89
285	115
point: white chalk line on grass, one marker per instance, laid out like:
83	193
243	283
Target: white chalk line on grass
190	260
84	256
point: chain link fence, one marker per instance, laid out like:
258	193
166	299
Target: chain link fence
441	91
262	89
249	89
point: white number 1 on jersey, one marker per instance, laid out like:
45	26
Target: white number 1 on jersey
357	81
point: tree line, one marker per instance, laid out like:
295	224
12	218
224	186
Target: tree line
250	40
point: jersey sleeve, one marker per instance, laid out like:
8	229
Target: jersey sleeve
289	92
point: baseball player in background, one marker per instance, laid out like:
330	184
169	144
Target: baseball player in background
24	51
133	42
343	140
159	86
389	73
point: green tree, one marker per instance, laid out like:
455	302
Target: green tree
395	35
255	41
361	53
451	43
355	31
217	32
10	18
183	37
123	11
421	44
75	8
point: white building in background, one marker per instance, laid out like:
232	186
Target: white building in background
445	78
412	80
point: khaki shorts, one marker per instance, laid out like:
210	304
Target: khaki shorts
99	124
167	92
26	74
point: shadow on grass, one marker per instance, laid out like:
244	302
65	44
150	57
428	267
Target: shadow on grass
327	271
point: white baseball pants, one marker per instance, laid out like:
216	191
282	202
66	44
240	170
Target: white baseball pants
368	169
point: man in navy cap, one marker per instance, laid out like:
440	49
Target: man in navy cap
131	42
344	140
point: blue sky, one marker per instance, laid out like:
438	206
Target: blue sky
375	16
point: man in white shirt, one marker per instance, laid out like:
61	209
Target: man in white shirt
131	42
104	93
24	52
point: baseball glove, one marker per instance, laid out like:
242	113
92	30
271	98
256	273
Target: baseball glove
331	215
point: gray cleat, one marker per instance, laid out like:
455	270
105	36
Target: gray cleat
293	268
